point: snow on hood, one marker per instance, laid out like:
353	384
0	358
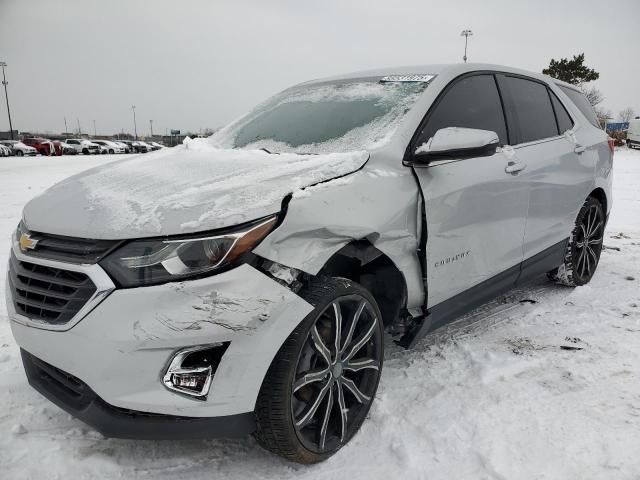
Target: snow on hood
190	188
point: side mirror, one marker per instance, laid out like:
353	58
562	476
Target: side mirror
455	143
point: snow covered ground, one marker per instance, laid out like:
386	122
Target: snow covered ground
493	396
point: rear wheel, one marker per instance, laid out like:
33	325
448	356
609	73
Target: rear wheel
585	245
321	384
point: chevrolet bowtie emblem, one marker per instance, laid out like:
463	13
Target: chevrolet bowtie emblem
27	243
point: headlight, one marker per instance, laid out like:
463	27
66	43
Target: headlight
148	262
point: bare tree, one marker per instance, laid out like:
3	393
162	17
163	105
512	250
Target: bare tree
594	95
626	114
603	115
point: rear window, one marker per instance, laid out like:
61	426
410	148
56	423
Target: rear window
582	103
529	110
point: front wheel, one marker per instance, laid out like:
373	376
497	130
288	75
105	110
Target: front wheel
584	247
19	153
322	382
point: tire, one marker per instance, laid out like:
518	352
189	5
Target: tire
287	422
584	247
111	151
19	153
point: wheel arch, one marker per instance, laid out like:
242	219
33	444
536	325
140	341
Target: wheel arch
600	195
362	262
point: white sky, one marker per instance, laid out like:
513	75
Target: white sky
192	64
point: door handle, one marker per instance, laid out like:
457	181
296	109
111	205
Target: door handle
514	167
579	149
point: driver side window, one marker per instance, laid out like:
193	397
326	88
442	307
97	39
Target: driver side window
472	102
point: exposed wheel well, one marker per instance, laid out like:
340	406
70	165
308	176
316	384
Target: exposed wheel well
599	195
361	262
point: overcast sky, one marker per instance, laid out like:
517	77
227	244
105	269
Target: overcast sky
192	64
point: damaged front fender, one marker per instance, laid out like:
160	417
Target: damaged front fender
378	203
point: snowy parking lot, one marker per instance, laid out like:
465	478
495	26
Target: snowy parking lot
542	383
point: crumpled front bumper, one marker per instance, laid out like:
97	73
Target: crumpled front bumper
121	349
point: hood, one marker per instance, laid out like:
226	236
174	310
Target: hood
190	188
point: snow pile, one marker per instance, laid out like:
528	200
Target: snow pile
496	395
188	188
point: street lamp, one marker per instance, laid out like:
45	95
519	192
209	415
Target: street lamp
135	127
466	34
6	96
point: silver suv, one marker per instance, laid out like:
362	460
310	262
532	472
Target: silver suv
244	283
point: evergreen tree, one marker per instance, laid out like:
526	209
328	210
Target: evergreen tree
571	71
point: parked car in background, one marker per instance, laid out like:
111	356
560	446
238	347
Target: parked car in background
633	133
83	146
5	151
155	145
144	147
57	147
126	148
19	149
139	146
136	146
42	145
68	149
109	146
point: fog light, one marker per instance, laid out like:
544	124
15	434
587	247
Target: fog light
191	370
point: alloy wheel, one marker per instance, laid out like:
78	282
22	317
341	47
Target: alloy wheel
589	243
337	374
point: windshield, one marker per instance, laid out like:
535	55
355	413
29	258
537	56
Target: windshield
336	117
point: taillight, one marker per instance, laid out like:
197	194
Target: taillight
612	144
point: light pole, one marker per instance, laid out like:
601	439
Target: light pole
151	127
135	127
6	96
94	129
79	129
66	130
466	34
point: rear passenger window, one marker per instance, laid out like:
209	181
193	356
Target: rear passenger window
564	120
472	102
529	109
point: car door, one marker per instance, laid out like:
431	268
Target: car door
475	207
557	170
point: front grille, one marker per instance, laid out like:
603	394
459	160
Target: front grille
48	294
70	249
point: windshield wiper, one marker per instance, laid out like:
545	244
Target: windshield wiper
270	153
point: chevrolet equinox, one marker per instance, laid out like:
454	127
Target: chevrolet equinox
244	283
